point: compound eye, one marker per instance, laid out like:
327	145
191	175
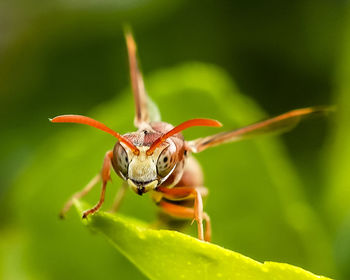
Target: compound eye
165	163
122	160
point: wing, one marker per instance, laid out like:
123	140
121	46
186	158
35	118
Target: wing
140	96
277	124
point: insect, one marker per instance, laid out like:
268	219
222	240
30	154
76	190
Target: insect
158	160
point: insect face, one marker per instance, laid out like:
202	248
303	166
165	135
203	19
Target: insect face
144	172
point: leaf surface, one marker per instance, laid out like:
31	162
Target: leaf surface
164	254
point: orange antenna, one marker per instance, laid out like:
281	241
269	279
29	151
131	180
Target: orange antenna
180	127
94	123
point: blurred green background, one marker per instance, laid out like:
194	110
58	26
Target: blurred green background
282	199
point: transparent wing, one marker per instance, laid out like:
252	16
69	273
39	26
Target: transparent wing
145	109
277	124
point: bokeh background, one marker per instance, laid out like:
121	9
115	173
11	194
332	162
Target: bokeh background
283	199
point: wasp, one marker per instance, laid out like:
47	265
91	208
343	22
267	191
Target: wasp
156	159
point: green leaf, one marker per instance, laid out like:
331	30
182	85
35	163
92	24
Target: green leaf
164	254
337	163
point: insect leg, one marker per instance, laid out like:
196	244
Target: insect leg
207	233
105	174
79	195
184	212
119	197
187	213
